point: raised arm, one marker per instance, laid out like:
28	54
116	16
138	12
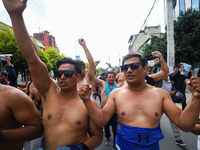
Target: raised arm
91	68
164	67
187	118
100	118
37	68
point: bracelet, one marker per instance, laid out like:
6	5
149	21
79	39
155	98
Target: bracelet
0	135
161	59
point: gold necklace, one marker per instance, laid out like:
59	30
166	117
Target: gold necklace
136	92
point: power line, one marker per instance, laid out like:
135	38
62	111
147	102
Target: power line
155	2
39	6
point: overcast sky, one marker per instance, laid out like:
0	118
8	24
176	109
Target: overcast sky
106	25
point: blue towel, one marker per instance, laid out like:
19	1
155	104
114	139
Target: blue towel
108	89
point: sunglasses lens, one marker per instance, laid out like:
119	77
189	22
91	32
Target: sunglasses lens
57	74
134	66
123	68
68	73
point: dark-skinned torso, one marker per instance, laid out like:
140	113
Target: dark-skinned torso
7	120
144	106
65	116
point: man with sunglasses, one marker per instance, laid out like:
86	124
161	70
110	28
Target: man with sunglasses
65	116
149	78
140	106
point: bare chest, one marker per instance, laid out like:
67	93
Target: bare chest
73	114
132	107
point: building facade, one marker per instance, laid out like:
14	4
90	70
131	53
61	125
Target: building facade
137	40
47	39
180	5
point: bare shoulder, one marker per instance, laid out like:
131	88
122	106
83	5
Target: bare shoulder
159	91
14	97
117	91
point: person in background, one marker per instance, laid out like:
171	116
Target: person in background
179	80
11	75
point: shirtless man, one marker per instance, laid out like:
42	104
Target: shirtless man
140	106
152	78
65	116
16	110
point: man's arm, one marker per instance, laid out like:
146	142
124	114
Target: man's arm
102	83
100	118
37	68
91	67
97	134
196	129
187	118
164	67
25	113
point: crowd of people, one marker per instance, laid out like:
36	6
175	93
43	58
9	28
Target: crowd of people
65	115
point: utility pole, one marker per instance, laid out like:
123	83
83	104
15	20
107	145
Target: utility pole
170	35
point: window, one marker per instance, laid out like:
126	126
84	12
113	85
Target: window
174	17
195	4
182	5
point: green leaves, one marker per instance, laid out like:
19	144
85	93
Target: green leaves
156	44
187	36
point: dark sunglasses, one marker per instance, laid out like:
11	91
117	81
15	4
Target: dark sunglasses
134	66
67	73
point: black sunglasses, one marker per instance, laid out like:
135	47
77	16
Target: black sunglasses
134	66
67	73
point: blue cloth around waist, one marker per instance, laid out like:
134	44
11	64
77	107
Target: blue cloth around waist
136	138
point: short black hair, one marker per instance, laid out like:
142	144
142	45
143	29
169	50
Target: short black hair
103	73
110	72
176	66
68	60
81	62
28	71
128	56
4	73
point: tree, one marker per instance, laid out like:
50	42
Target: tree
53	56
43	57
187	36
156	44
8	45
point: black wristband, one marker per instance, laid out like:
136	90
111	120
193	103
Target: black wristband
0	135
84	146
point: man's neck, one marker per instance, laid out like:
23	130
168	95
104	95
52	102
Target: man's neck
166	80
110	84
4	82
138	87
69	93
